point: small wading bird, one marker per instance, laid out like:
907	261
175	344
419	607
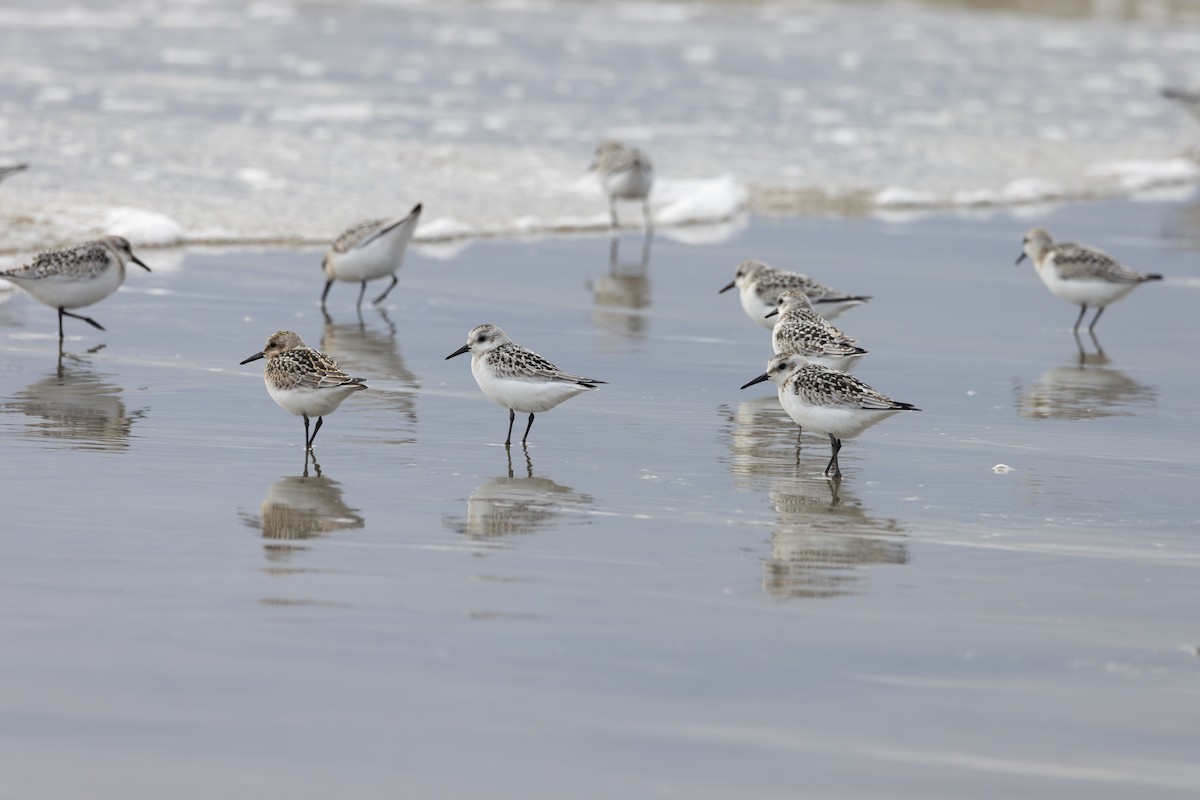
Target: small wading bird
303	381
1081	275
759	287
829	401
800	329
518	378
76	276
369	250
626	174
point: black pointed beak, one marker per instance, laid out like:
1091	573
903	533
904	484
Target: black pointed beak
1020	258
138	261
464	349
254	357
727	288
416	210
759	379
773	312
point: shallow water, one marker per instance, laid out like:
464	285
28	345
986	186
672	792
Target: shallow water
657	598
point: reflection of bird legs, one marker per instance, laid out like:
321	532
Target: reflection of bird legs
1083	354
317	467
528	460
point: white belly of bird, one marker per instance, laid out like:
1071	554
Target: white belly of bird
756	309
66	293
380	258
1090	292
631	184
526	396
844	363
843	422
306	401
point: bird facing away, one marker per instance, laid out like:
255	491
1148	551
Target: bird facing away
1081	275
760	285
11	169
76	276
800	329
827	401
303	381
368	250
626	174
518	378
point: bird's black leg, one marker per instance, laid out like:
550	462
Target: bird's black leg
361	292
60	331
316	429
1082	311
799	434
512	415
64	313
1095	319
324	294
612	209
527	427
305	433
836	444
387	291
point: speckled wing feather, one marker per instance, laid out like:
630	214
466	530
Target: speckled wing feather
623	160
363	233
87	261
812	337
309	368
821	386
518	363
771	284
1079	262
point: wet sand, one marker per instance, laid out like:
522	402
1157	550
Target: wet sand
658	597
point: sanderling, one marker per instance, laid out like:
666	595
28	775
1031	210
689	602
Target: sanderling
625	173
302	380
825	400
11	169
1081	275
369	250
800	329
760	286
76	276
517	378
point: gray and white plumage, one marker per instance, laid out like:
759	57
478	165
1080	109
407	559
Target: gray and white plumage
78	276
625	173
1081	275
302	380
759	286
800	329
368	250
517	378
825	400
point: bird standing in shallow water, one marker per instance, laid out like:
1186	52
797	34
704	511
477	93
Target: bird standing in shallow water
303	381
825	400
1081	275
760	285
76	276
800	329
625	173
516	377
369	250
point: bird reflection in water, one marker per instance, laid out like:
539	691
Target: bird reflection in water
373	350
509	505
78	405
301	507
1085	389
623	292
823	536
